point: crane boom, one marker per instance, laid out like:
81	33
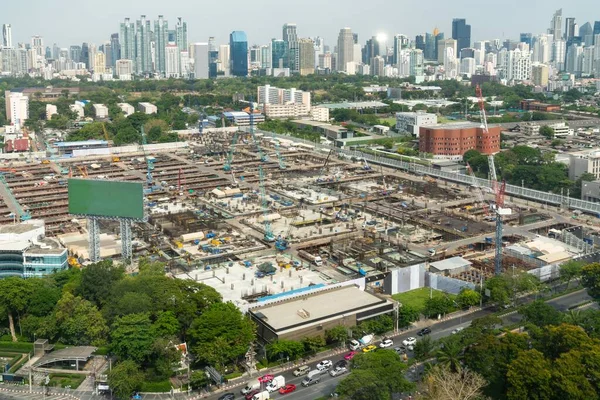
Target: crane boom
484	125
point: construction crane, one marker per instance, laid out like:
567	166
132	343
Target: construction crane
22	214
279	157
322	170
478	190
486	132
84	173
227	166
149	163
114	158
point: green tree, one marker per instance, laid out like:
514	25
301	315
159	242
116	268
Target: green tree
125	378
283	349
541	314
468	298
450	354
570	270
79	321
132	337
97	281
14	294
424	348
199	380
547	132
337	334
570	376
529	377
166	325
437	306
590	279
407	314
313	344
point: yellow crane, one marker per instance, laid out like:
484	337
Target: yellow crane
114	158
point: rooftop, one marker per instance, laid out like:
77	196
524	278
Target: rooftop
450	264
361	104
315	307
82	143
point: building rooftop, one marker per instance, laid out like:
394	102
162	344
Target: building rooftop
19	228
450	264
361	104
315	307
82	143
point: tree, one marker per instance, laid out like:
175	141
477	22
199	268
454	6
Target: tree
529	377
313	344
198	380
541	314
125	378
407	314
79	321
226	321
424	348
590	279
570	270
468	298
282	349
450	354
570	376
437	306
547	132
14	293
131	337
97	281
337	334
442	383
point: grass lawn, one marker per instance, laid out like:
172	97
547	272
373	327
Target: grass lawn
63	380
417	297
391	120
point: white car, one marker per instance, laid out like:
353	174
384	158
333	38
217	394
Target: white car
323	365
338	371
386	343
457	330
411	341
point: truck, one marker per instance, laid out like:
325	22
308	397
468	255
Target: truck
264	395
316	260
366	340
277	383
250	386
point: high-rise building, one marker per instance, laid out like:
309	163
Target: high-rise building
325	61
420	42
319	48
588	62
7	36
115	49
238	42
17	107
75	53
443	45
290	37
539	75
213	58
201	61
429	52
181	34
371	50
541	49
526	38
306	51
559	52
124	69
172	61
37	44
127	40
587	34
479	52
574	60
345	49
279	50
517	64
99	63
161	37
377	66
556	25
461	32
417	63
224	58
467	66
85	55
439	36
266	56
143	60
596	31
569	28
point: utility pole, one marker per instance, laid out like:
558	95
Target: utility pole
30	377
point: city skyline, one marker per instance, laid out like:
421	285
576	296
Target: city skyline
334	15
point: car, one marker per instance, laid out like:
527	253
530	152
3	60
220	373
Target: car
227	396
251	394
350	355
386	343
323	365
369	348
303	370
338	371
410	341
354	345
340	364
457	330
265	378
287	389
400	350
424	331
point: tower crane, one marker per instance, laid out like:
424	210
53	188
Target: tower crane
498	189
478	190
149	163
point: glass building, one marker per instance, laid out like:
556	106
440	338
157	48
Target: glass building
238	43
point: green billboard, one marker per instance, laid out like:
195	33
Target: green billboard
106	199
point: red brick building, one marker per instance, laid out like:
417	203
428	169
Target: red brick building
534	105
457	138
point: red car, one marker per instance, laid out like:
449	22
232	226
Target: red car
265	378
287	389
350	355
251	394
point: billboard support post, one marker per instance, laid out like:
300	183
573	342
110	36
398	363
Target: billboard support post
126	247
94	238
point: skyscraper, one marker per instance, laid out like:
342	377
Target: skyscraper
75	53
172	61
443	45
587	34
201	60
213	57
127	40
526	38
306	52
420	42
290	37
569	28
429	52
278	50
85	55
439	36
115	49
161	33
143	62
345	49
461	32
181	33
7	35
238	43
556	25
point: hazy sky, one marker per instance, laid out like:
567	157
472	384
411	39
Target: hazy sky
69	22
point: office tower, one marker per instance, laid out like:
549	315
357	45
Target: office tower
479	52
7	35
559	50
127	40
306	51
377	66
319	48
596	31
355	38
574	60
143	61
238	42
266	55
106	48
48	53
420	42
161	33
443	45
588	61
85	55
539	75
181	34
556	25
467	53
371	50
201	58
278	51
115	49
461	32
467	66
325	61
290	37
416	60
37	44
400	42
569	28
586	32
345	49
429	52
542	49
92	50
213	58
224	58
172	61
55	51
439	36
255	57
526	38
99	63
75	53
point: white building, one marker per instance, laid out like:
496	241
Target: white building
467	66
201	60
516	64
224	58
585	162
411	121
50	111
126	108
320	114
99	65
281	103
290	110
147	108
172	58
124	69
101	111
17	107
78	108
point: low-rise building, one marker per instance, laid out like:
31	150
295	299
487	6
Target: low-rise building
291	110
411	121
79	108
50	111
590	191
242	118
534	105
147	108
101	111
584	162
451	141
319	114
126	108
530	128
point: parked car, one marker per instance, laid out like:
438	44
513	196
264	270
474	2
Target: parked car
323	365
411	341
457	330
287	389
386	343
265	378
369	348
350	355
227	396
303	370
424	331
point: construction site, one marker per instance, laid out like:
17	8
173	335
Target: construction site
255	216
